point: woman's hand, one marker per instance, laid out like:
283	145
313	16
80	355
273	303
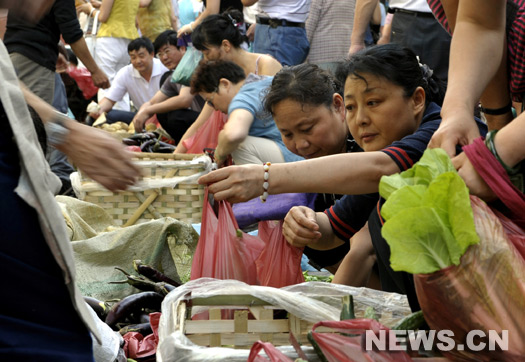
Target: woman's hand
85	8
459	129
185	30
300	227
477	186
235	183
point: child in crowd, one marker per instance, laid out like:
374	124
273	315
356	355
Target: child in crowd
391	112
248	136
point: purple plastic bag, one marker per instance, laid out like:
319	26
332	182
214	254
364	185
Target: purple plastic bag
275	208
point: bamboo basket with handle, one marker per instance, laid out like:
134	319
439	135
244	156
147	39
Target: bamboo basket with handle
168	188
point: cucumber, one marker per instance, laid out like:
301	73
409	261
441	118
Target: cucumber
347	312
410	322
316	347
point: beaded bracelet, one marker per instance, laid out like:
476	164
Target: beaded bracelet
266	168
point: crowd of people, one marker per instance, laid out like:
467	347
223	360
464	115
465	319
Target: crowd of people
320	97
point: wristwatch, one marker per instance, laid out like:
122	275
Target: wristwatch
56	129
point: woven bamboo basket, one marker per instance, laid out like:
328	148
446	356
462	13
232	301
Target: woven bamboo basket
168	189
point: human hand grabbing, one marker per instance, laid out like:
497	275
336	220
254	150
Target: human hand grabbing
477	186
141	117
459	129
300	227
235	183
100	79
184	30
99	156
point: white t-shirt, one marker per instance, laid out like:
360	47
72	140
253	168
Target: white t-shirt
291	10
412	5
129	80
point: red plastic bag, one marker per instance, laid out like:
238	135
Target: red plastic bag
208	135
486	291
497	179
84	81
138	346
279	264
270	350
224	251
337	347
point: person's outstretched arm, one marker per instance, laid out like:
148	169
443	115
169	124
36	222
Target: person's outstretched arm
476	56
93	151
350	173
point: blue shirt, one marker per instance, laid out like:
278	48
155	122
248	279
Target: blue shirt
250	97
351	212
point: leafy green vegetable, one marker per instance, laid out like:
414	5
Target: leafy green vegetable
429	221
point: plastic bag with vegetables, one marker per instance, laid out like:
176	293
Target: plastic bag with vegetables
468	274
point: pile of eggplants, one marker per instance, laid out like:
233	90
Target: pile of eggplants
131	314
149	142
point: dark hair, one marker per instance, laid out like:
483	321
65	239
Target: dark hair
208	74
396	64
167	37
72	57
304	83
141	42
218	27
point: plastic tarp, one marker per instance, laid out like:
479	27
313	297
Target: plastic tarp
166	244
297	299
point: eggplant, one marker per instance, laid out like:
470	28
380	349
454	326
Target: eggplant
147	146
133	304
152	273
100	308
130	142
142	328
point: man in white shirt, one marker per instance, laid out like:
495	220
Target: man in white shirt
175	107
140	80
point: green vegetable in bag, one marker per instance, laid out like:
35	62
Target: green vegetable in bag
429	221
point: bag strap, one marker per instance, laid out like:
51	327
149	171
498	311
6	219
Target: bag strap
496	178
94	29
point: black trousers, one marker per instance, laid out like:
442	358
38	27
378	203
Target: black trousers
38	321
177	122
426	37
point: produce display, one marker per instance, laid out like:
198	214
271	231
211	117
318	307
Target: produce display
130	314
148	142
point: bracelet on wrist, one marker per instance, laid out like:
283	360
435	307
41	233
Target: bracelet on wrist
191	26
266	177
497	111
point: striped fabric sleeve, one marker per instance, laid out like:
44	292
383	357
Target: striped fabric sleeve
409	150
350	214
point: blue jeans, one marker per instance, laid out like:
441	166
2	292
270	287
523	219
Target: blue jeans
116	115
288	45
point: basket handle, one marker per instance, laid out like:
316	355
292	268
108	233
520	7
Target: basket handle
146	203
